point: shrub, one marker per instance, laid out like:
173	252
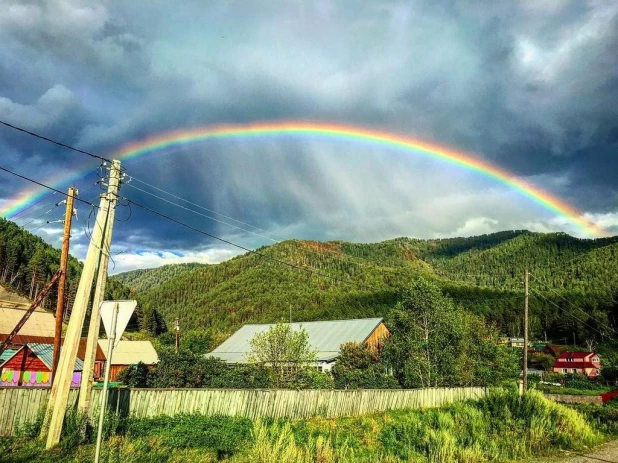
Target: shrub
135	375
222	434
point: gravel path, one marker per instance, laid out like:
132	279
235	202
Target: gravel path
607	453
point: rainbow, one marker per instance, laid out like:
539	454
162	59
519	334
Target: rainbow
160	142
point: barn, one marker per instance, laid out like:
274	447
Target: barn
128	353
326	338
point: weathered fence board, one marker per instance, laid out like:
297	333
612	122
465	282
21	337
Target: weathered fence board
21	405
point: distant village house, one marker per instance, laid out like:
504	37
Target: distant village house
578	363
326	337
128	353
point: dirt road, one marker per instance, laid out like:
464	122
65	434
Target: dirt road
607	453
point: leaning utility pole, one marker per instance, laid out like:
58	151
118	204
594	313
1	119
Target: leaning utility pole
85	388
525	371
64	260
58	398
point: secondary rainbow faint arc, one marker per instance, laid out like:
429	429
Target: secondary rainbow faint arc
161	141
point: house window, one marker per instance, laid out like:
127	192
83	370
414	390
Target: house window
569	360
595	359
597	371
574	370
564	370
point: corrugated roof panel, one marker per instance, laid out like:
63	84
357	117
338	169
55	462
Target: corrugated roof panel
45	353
39	323
131	352
7	354
324	336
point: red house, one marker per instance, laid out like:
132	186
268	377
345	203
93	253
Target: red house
578	363
30	366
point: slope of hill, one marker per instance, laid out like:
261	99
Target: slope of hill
483	273
27	263
144	279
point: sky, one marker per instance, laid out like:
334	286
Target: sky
530	86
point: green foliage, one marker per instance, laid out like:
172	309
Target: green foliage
31	429
434	343
359	367
135	375
186	369
482	274
502	427
197	341
27	263
284	350
223	434
143	279
542	361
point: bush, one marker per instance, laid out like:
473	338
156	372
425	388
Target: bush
222	434
135	375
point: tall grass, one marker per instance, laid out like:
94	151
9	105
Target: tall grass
503	426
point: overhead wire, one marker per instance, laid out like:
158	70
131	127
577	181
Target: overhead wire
604	324
55	142
309	271
12	172
131	178
44	213
538	293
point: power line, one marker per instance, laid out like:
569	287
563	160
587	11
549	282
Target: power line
44	186
567	313
206	209
574	306
258	253
12	217
43	214
55	142
203	215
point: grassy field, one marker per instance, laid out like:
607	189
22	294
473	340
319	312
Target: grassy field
501	427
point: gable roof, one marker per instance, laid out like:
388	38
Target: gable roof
131	352
325	336
7	354
44	352
575	355
21	340
39	323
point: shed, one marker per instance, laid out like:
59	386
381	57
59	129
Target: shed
325	336
31	366
128	353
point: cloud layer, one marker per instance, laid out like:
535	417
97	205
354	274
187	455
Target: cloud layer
530	86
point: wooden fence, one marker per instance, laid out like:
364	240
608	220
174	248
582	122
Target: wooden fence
19	405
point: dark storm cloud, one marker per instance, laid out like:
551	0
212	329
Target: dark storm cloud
531	86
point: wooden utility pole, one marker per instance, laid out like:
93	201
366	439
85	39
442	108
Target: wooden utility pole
85	388
525	370
177	335
58	398
27	313
64	260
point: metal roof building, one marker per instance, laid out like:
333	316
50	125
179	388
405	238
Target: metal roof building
131	352
41	324
325	336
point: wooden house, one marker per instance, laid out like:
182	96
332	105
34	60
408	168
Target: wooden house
128	353
30	366
326	337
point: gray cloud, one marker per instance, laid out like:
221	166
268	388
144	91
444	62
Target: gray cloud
530	86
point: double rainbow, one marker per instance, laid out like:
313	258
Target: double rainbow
159	142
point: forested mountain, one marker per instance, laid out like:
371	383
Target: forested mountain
27	263
570	278
144	279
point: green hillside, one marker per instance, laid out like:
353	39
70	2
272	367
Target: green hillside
143	279
483	273
27	263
